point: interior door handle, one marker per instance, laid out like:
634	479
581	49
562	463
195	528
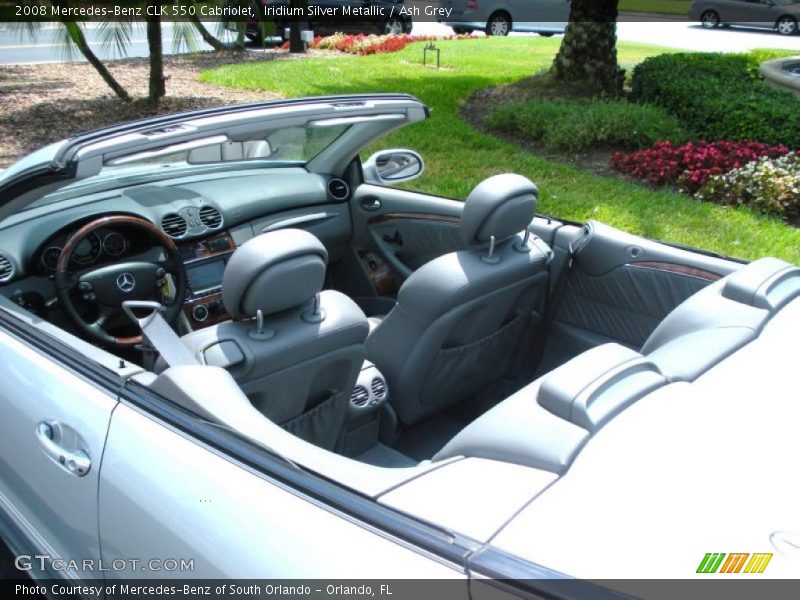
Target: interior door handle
52	437
371	204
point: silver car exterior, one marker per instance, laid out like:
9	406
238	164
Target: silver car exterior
780	15
500	17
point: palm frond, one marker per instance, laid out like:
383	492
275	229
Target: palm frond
184	35
115	35
67	38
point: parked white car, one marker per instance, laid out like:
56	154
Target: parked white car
231	349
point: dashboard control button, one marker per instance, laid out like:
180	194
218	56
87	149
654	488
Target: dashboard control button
90	297
200	313
160	272
84	286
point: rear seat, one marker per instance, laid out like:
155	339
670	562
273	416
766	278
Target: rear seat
721	318
546	423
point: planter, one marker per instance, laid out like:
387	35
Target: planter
783	74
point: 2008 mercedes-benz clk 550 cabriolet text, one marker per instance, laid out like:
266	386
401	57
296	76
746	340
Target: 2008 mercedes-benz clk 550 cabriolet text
226	339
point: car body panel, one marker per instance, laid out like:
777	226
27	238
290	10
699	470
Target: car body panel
473	496
692	468
751	13
547	16
56	509
279	535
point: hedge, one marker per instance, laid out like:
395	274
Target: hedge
719	96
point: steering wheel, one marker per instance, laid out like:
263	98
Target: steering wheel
107	287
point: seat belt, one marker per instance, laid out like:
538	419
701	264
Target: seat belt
552	302
158	333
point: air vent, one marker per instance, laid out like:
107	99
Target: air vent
174	225
338	189
359	396
210	217
378	388
7	269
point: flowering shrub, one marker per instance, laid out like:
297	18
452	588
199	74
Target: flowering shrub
369	44
691	165
769	184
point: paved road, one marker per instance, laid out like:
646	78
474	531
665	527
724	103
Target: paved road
15	48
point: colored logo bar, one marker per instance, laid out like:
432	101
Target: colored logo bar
737	562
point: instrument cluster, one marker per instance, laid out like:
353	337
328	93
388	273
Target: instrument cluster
103	245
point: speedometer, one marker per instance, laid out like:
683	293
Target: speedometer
88	250
114	244
50	257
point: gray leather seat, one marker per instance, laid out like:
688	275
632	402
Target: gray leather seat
459	318
294	350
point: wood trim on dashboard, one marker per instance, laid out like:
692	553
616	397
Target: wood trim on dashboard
384	218
678	269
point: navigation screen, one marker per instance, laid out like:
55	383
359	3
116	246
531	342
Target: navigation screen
205	276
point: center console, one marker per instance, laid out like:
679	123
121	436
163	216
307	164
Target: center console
204	261
361	429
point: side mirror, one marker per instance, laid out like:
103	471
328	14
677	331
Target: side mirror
388	167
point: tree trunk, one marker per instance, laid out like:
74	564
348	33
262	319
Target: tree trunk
77	37
206	34
588	53
296	45
157	87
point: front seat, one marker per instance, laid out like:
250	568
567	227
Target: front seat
294	350
459	318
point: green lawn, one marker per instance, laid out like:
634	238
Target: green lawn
458	157
667	7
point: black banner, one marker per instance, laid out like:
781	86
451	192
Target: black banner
286	11
400	589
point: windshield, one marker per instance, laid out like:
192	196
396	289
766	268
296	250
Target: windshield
288	146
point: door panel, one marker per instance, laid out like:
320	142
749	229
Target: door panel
53	504
619	288
164	496
406	229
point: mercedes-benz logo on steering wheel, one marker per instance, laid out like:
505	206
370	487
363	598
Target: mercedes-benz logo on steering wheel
126	282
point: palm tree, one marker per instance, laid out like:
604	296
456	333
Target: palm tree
588	52
115	36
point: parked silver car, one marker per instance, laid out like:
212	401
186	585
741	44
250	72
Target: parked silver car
779	15
230	348
501	17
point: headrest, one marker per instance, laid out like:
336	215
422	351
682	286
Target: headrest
272	272
500	206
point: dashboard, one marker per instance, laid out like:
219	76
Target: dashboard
207	217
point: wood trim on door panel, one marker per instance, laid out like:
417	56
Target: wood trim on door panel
385	218
678	269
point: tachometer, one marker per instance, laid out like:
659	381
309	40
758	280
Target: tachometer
88	250
49	257
114	244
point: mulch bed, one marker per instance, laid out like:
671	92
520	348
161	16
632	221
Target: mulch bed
41	104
